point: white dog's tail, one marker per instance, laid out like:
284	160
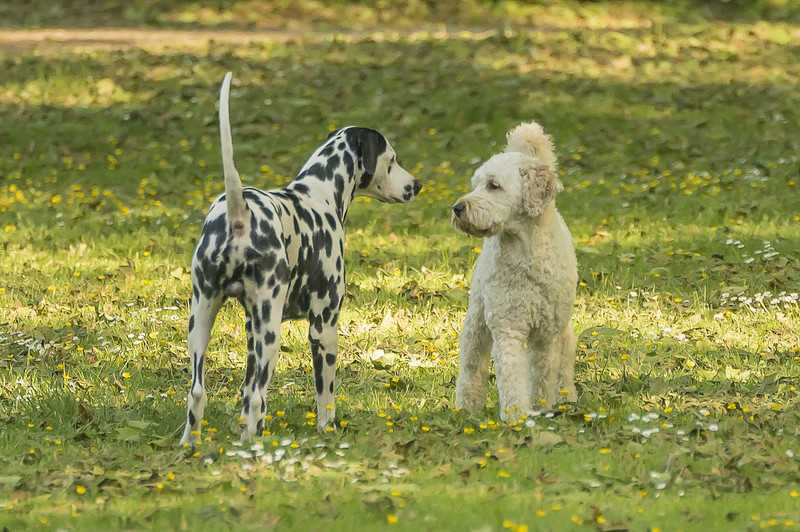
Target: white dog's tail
234	196
530	138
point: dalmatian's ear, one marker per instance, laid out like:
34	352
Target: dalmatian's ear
369	145
540	184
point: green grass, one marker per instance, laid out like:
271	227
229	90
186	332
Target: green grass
679	147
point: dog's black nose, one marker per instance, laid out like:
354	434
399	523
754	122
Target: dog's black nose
459	208
417	186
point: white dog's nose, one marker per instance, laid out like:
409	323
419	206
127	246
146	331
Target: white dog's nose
459	208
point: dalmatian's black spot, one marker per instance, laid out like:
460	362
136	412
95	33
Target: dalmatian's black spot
245	403
191	323
282	271
200	362
327	150
266	309
331	220
301	188
251	367
269	338
330	359
318	371
262	379
330	387
348	163
192	419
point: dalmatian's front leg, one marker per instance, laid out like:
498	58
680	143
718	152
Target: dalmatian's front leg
323	337
264	314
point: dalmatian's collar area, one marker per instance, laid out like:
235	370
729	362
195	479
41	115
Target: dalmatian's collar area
281	254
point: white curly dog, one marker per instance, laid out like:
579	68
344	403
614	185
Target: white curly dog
523	286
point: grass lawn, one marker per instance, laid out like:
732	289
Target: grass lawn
679	137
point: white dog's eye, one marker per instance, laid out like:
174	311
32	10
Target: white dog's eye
493	185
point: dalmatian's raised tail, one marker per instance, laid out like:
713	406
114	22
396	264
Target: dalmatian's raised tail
234	195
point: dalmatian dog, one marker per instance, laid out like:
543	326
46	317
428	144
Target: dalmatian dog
523	286
280	253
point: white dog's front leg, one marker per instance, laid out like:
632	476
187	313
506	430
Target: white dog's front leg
566	373
473	371
512	364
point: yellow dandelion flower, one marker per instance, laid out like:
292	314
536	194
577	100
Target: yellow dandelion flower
280	413
468	430
126	375
80	489
541	513
294	445
343	423
576	520
503	474
425	428
170	476
604	450
391	519
600	520
794	493
508	523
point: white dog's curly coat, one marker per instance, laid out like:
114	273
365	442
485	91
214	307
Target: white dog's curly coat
523	286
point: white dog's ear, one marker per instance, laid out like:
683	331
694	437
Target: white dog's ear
529	138
540	184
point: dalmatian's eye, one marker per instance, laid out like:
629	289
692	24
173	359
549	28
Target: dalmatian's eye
493	185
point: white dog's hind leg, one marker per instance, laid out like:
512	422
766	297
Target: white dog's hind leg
203	313
473	372
566	373
512	366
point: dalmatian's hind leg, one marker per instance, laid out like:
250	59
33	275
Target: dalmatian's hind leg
264	314
201	321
